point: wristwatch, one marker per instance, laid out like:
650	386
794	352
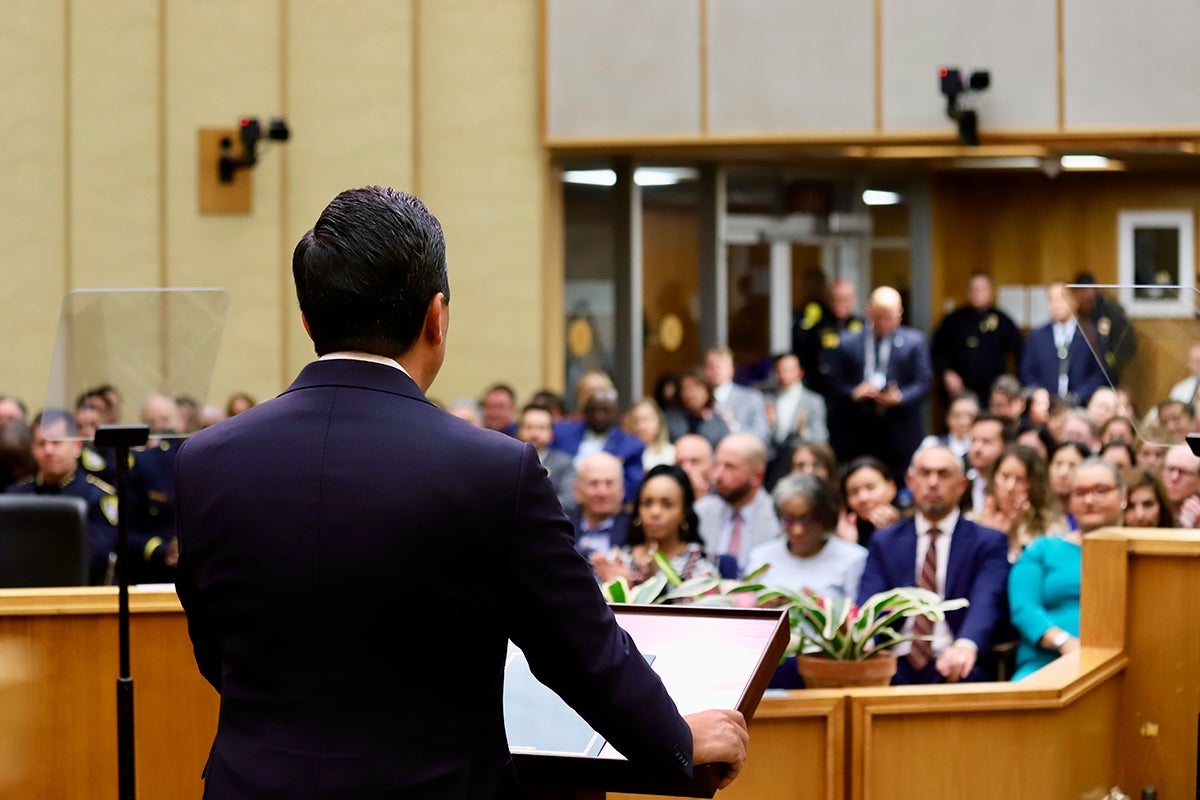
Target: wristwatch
1058	641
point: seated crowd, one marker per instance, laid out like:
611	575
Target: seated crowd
820	471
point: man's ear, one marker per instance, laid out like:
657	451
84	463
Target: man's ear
304	321
437	317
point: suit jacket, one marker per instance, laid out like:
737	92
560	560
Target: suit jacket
618	534
568	435
336	547
1039	364
977	569
748	410
863	428
561	468
761	526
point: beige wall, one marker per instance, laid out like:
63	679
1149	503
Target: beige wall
99	129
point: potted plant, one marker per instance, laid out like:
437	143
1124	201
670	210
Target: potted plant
840	644
666	586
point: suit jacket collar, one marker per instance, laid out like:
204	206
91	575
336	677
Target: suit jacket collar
961	540
359	375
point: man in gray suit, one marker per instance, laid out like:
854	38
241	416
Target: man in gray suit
743	408
537	427
740	514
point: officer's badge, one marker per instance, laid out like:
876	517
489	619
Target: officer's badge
1104	325
854	326
990	323
812	315
829	340
92	461
972	341
108	506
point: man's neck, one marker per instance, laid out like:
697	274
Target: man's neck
743	501
593	521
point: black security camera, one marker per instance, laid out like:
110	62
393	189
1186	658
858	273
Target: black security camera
250	133
953	87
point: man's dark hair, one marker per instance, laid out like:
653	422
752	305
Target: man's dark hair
367	270
1008	431
502	387
551	401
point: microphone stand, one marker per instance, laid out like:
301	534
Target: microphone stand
121	438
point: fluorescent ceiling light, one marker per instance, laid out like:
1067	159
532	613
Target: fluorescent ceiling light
1084	162
875	197
1002	162
642	176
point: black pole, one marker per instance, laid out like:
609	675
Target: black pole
121	438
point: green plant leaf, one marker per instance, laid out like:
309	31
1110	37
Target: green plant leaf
664	566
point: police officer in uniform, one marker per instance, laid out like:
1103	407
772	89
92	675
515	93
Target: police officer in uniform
58	473
973	345
1103	319
818	329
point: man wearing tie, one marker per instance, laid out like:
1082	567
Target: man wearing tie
1057	356
740	514
941	551
880	378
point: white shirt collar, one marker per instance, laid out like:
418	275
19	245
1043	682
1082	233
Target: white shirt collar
945	525
354	355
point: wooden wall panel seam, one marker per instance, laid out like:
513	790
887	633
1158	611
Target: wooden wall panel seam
164	276
414	34
703	47
878	65
1061	64
68	180
285	283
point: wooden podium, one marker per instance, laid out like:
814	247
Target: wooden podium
707	658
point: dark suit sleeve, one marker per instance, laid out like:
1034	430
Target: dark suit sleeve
204	646
874	578
918	376
572	641
1027	371
988	591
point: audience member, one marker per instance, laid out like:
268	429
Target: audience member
960	416
12	408
989	435
210	415
1105	324
1185	390
1055	358
16	453
974	344
590	382
1119	429
598	520
795	412
694	455
739	515
1147	505
537	428
499	409
809	555
742	408
818	346
814	458
697	411
1007	398
551	401
189	414
870	494
1103	406
645	420
1037	438
1078	426
1020	503
238	403
1119	453
879	382
1043	589
1064	458
1181	478
1037	405
1152	451
1177	420
666	391
664	522
600	430
466	409
916	552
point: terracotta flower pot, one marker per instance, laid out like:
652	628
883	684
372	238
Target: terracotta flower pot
820	672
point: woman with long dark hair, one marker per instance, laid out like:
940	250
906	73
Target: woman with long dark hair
664	522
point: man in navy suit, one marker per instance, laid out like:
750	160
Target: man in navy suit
879	379
600	431
971	562
353	561
1057	356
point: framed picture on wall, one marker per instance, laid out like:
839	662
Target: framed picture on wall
1156	263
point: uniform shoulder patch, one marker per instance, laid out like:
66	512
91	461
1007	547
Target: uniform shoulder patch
108	507
854	326
829	340
812	315
103	486
92	461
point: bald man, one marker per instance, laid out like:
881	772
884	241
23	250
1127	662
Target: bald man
739	514
880	378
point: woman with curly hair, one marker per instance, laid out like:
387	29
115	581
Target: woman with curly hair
664	522
1019	500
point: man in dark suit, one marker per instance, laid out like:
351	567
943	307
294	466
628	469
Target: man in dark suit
599	523
880	378
353	560
960	559
1057	356
600	431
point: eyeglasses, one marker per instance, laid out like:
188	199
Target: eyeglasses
1101	491
804	520
1180	471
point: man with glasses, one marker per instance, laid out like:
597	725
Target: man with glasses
1181	478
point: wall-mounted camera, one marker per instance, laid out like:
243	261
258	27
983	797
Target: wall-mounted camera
250	133
955	88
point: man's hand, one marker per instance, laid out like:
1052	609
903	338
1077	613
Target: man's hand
889	397
864	391
1189	512
956	662
719	736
